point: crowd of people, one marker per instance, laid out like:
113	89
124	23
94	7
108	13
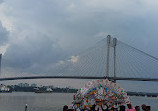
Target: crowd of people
121	108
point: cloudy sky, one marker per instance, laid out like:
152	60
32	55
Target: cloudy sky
37	34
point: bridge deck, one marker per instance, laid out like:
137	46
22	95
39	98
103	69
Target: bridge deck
77	77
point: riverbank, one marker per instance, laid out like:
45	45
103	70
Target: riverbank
16	88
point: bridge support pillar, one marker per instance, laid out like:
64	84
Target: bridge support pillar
114	45
108	52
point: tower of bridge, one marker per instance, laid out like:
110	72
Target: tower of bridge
111	43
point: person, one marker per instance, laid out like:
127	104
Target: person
115	107
93	107
130	108
148	108
70	110
143	107
122	108
137	108
103	109
65	108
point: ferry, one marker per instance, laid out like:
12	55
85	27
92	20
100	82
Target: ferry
48	90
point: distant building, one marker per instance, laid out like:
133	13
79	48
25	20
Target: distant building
20	84
33	85
26	85
23	85
51	86
13	86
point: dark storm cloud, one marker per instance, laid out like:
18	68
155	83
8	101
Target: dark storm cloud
34	55
47	32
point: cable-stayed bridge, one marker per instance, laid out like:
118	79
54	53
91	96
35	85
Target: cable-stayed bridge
109	58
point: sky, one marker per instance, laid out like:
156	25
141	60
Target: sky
38	34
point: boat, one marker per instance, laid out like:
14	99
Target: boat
47	90
4	89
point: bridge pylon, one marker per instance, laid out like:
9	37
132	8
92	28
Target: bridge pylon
108	54
113	44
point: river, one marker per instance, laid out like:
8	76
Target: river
53	101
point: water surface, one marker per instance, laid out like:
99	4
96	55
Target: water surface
53	101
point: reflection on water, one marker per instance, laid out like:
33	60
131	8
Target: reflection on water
52	101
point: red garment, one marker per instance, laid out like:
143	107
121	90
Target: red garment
133	109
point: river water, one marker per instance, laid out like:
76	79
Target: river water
53	101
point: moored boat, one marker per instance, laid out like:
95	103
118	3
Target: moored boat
4	89
48	90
